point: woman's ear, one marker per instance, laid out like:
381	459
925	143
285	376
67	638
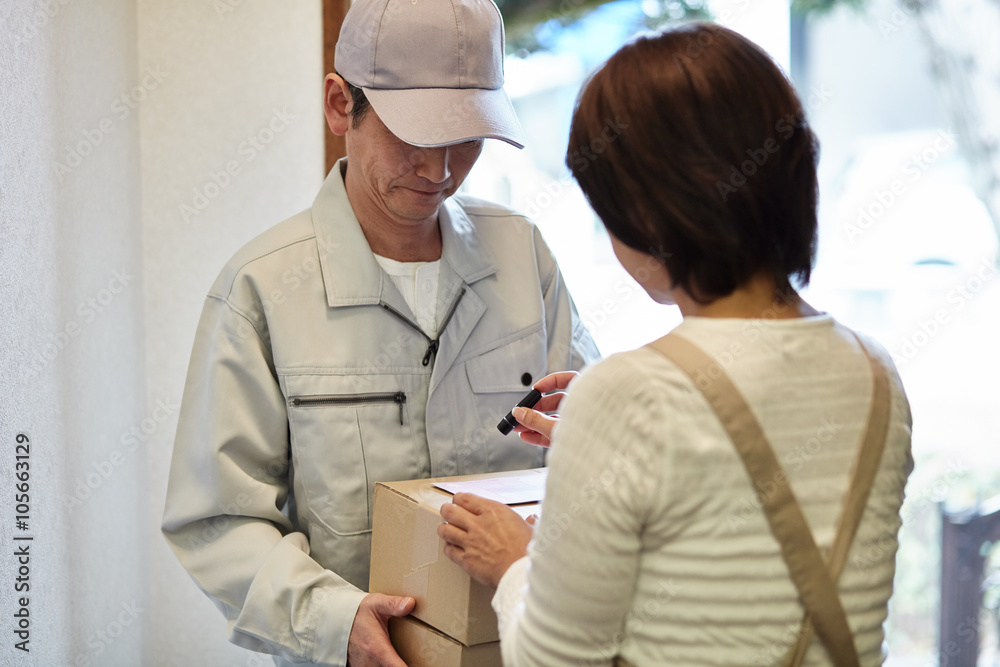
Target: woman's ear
337	104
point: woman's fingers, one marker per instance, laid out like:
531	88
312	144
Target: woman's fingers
536	439
549	402
457	515
472	503
555	381
536	421
452	534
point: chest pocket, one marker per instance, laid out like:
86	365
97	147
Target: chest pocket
344	440
500	378
510	368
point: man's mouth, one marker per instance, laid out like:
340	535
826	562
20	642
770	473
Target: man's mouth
427	193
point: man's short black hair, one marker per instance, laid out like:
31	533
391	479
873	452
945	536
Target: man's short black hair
360	106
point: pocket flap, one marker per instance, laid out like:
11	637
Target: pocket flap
505	368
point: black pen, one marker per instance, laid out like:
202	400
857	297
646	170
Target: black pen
508	423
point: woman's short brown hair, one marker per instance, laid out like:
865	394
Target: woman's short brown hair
692	146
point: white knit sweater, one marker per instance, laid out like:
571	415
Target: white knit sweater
651	545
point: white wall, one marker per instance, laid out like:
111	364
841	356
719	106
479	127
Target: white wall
72	334
229	73
102	280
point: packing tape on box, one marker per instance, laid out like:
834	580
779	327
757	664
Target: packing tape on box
426	542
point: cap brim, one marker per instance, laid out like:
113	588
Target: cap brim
441	116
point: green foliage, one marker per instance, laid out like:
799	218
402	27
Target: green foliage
522	17
819	7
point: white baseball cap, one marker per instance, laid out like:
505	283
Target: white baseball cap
432	69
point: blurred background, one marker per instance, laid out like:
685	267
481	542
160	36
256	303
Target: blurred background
144	141
905	100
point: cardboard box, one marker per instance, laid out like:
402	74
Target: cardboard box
408	556
420	645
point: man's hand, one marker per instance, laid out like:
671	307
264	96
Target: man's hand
369	643
534	427
483	536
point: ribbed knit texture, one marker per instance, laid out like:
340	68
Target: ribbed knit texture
651	544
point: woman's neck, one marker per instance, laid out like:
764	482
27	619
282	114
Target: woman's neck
760	298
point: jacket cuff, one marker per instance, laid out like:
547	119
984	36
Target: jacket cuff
335	610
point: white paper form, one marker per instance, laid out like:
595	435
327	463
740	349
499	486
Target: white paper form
507	490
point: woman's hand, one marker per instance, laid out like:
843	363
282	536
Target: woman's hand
483	536
534	427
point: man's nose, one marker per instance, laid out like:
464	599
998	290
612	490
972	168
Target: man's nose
433	164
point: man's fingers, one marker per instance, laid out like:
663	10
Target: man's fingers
391	605
404	604
369	640
387	657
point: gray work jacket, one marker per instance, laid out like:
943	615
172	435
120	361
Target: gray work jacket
310	381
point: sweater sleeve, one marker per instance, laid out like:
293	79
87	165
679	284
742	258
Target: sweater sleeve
570	604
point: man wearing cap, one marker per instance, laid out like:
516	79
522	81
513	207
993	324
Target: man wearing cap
378	336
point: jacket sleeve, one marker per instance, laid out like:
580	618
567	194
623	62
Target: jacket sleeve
570	345
226	493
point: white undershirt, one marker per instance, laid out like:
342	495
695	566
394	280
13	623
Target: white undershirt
417	282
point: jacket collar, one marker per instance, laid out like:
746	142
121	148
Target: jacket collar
351	275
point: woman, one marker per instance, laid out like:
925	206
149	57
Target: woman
664	537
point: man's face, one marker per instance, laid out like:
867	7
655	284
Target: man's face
406	183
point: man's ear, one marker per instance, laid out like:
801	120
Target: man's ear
337	103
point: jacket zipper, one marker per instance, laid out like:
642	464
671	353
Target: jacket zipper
398	397
433	343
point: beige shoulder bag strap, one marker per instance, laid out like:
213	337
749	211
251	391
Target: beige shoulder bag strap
814	579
